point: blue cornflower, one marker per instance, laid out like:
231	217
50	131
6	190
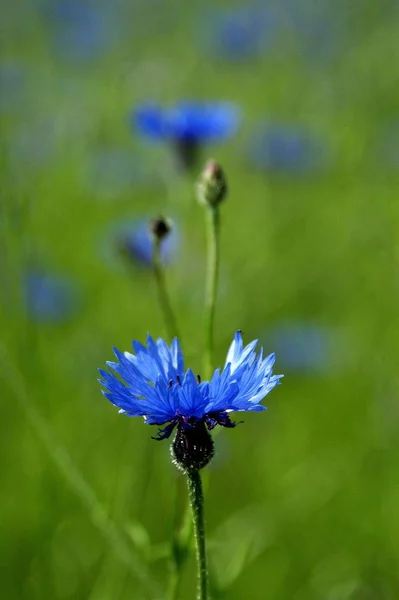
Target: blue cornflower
187	125
203	122
153	383
134	241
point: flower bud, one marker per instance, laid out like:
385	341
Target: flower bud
160	228
212	185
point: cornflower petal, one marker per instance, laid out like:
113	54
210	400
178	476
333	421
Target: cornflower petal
238	356
192	397
222	391
177	356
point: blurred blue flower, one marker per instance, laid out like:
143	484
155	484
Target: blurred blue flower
240	33
134	241
187	125
152	383
49	298
303	347
202	122
82	30
278	147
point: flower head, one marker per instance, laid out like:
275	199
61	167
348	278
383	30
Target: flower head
187	125
153	383
134	241
203	122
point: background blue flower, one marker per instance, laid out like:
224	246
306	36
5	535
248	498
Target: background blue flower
198	121
133	241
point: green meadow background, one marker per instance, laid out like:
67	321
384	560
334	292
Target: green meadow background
302	501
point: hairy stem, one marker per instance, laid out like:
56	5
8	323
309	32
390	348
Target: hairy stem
197	506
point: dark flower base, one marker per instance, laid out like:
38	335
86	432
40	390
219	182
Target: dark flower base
193	447
187	152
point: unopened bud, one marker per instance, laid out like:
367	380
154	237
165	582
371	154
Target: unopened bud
160	227
212	185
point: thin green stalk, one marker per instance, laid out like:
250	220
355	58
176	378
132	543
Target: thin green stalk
166	307
213	237
197	505
59	454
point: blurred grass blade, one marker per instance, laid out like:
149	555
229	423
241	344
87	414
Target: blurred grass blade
75	479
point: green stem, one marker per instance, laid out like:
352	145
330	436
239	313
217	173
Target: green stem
197	506
213	237
166	307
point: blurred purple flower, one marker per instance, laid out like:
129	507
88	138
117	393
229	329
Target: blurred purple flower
239	33
284	148
49	298
133	241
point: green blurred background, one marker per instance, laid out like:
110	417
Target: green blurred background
302	500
